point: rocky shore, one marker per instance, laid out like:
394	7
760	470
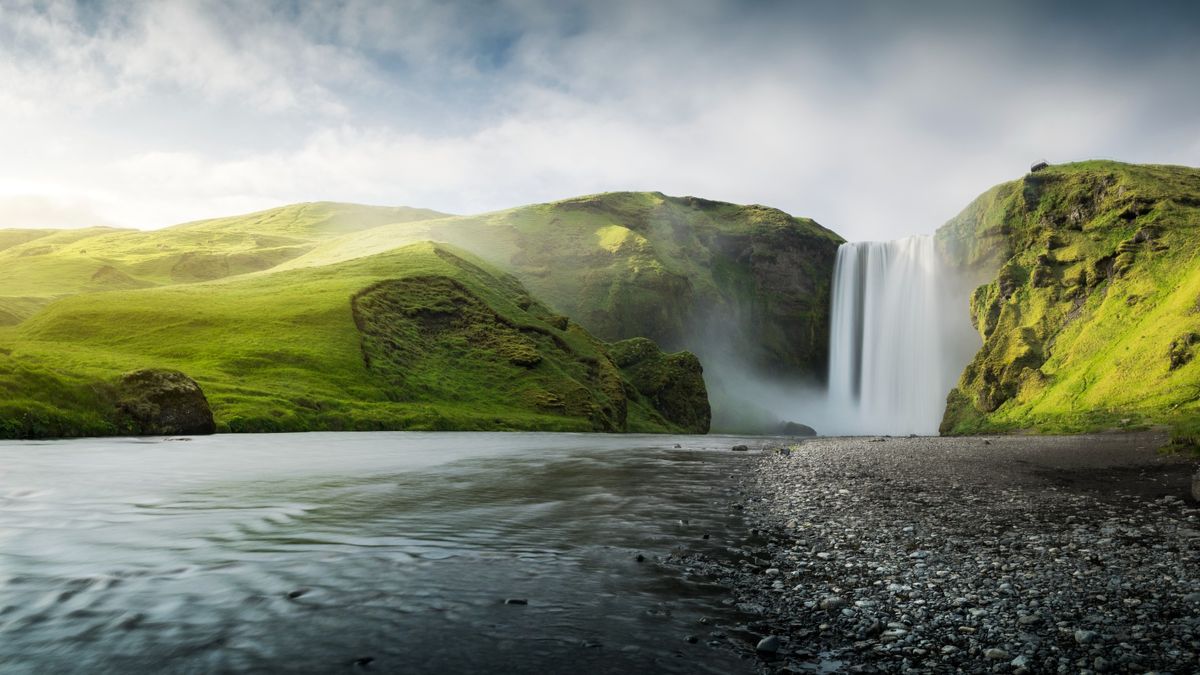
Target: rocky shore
1006	554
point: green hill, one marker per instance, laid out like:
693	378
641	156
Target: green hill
1090	303
419	337
685	272
39	266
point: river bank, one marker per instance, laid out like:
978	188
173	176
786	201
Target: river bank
1001	554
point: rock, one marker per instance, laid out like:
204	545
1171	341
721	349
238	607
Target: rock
768	645
672	383
996	654
678	446
1192	598
1196	486
1021	661
1085	637
740	448
640	558
298	593
692	639
832	602
364	661
157	402
796	429
516	601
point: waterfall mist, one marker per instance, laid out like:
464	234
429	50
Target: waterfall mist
900	336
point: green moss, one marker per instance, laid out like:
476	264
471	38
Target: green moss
678	270
1089	300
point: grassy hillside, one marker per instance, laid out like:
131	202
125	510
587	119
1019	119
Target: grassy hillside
39	266
1090	303
421	337
745	286
686	272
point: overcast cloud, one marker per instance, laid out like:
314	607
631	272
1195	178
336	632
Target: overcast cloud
879	119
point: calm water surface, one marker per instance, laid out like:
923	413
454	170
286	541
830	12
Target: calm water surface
128	555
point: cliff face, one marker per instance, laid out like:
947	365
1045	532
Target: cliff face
1089	303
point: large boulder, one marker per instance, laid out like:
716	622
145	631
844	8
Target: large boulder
157	402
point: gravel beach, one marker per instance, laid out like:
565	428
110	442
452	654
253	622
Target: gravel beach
1020	554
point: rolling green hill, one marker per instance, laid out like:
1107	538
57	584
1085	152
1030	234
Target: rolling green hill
39	266
746	285
419	337
1090	303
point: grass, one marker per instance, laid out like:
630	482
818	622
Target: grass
642	264
284	351
258	309
1093	291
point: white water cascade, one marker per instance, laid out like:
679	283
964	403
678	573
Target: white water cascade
900	337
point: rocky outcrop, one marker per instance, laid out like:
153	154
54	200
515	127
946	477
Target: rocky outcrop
156	402
478	339
796	429
673	383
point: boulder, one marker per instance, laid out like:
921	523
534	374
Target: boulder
157	402
796	429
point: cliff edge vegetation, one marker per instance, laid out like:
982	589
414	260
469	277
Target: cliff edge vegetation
1089	303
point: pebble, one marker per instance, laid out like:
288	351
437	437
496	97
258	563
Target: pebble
768	645
516	601
933	556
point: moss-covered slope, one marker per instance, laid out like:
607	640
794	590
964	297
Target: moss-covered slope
421	337
687	273
1090	299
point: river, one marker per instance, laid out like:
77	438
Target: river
386	552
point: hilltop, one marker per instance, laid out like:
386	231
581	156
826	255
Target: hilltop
38	266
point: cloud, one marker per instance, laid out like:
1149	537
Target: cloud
876	121
38	211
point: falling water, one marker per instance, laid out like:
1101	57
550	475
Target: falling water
900	337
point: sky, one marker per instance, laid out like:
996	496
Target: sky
877	119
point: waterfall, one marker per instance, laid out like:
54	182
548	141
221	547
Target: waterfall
900	336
